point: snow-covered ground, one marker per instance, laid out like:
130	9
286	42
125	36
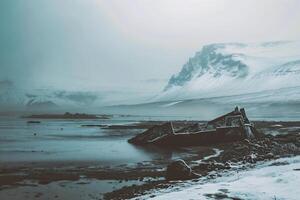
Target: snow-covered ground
265	181
171	104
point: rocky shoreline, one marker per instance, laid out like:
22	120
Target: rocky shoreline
281	139
243	154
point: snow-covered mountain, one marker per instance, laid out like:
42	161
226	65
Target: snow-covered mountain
219	74
236	68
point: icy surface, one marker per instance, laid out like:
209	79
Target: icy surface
266	181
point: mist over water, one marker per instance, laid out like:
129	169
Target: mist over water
83	55
67	142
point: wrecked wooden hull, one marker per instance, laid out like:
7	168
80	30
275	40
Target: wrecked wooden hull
231	127
220	135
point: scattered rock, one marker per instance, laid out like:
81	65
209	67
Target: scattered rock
210	166
242	148
269	156
252	158
33	122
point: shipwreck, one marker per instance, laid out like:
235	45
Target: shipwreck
230	127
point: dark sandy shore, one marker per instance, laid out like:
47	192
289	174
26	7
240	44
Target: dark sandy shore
91	180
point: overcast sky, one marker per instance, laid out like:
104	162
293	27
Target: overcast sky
119	45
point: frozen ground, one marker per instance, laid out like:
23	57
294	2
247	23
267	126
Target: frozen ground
279	179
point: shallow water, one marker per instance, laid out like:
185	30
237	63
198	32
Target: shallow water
67	141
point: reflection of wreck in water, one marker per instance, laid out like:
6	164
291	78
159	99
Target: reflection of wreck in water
230	127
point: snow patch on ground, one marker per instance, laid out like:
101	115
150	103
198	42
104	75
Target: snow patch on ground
216	154
171	104
265	181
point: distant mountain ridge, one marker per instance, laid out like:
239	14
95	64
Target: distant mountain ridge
236	68
257	72
14	98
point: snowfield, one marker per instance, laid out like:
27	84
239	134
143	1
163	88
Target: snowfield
171	104
279	179
236	68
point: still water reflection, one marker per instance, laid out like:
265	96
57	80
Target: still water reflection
68	141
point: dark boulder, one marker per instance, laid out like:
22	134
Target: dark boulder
179	170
